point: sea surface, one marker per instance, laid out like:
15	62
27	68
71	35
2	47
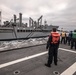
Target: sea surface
4	45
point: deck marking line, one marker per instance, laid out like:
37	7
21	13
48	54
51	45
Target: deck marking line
29	57
67	50
22	59
70	70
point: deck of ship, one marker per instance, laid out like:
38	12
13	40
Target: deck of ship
31	60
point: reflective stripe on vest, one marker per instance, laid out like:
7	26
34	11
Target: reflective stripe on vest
55	37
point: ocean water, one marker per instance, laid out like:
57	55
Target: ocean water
5	45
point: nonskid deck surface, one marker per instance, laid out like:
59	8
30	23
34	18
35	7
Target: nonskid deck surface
30	61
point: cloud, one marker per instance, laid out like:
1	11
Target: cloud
57	12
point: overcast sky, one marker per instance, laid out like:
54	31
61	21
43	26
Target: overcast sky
56	12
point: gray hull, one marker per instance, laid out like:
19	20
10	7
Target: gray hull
24	35
13	33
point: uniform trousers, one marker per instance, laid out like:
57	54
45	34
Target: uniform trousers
52	54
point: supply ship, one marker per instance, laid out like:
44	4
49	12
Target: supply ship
13	30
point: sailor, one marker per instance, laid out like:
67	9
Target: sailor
52	44
63	37
70	37
73	42
67	37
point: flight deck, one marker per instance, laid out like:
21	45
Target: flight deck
31	60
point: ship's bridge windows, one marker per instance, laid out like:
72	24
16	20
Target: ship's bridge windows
17	30
20	30
32	30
